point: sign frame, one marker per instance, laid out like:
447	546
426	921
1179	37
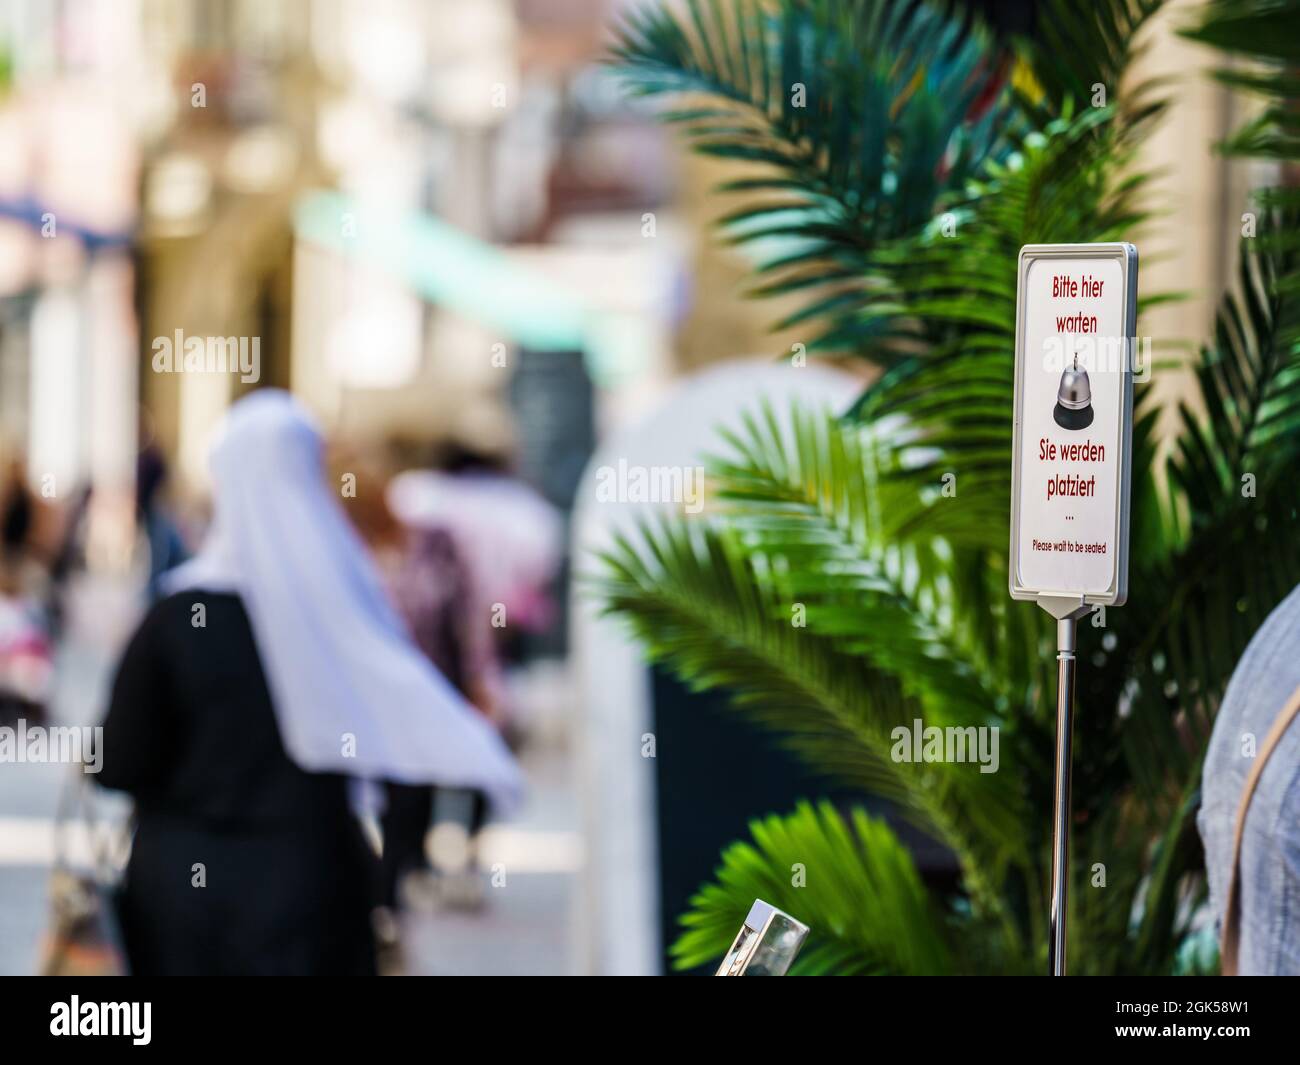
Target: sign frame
1116	594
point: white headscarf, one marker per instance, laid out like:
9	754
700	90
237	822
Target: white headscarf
352	693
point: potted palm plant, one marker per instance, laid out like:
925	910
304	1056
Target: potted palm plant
899	156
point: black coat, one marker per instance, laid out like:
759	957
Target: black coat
242	862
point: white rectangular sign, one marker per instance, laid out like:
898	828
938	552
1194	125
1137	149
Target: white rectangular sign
1075	319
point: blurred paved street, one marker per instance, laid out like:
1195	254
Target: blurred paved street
523	928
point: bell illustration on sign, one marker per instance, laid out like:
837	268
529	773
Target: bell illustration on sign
1073	408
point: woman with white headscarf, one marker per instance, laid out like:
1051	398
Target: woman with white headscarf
273	671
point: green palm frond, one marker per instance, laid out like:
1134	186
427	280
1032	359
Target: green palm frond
688	592
814	496
1262	29
1176	650
901	585
1263	34
1228	550
870	559
693	594
850	880
1232	553
950	297
821	96
1162	925
1249	383
1077	47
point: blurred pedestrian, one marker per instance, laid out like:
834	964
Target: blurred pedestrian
26	661
26	657
482	551
273	671
428	582
162	535
16	512
511	542
431	591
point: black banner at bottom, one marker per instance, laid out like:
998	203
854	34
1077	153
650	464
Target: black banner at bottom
329	1017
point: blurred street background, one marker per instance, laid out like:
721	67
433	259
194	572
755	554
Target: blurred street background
443	226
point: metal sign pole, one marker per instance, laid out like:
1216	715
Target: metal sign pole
1067	613
1066	630
1076	310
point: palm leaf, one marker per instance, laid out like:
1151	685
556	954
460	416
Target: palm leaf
904	586
859	893
820	96
693	595
1249	384
1262	38
1076	47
